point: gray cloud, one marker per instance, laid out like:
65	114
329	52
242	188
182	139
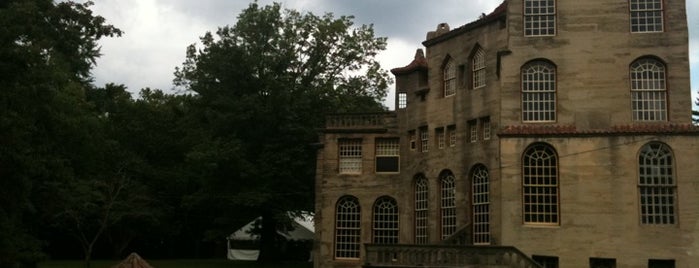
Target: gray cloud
158	31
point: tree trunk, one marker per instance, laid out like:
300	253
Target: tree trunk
88	255
268	238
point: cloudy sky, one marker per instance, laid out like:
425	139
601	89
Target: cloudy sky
157	32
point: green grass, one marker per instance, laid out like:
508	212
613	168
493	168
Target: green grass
188	263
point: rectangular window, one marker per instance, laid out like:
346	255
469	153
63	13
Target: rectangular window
646	16
546	261
451	131
411	138
473	130
350	158
485	125
387	155
402	100
539	17
424	140
441	142
661	263
602	263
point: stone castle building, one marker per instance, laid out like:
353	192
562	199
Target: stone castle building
547	133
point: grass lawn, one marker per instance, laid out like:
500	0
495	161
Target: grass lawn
188	263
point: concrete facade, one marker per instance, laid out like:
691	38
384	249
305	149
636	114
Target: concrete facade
596	141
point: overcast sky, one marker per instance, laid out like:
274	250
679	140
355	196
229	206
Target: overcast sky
157	32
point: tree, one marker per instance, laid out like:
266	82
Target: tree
262	89
47	50
695	113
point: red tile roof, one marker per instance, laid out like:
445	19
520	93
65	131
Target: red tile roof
418	63
570	130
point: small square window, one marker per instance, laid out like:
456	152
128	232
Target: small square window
402	100
661	263
602	263
546	261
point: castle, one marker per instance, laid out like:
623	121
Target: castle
544	134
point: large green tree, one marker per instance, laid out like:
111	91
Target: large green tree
263	87
695	113
47	50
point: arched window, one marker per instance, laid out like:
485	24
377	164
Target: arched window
385	223
648	92
448	204
421	209
347	228
478	68
480	189
656	184
539	92
449	77
540	185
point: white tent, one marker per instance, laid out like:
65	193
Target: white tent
243	243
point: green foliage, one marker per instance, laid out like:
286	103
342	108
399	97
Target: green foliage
695	113
46	52
187	263
263	87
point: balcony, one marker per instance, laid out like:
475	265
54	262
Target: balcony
378	256
364	122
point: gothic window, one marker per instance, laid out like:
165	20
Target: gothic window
449	77
478	68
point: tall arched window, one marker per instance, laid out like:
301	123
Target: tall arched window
421	209
540	185
478	69
449	77
347	228
448	204
539	92
648	90
480	189
385	223
656	184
